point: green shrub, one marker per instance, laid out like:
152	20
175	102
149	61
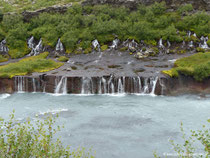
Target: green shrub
88	50
158	8
185	8
208	42
1	15
151	42
189	148
34	138
4	58
104	47
199	49
63	59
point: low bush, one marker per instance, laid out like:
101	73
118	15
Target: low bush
4	58
34	138
63	59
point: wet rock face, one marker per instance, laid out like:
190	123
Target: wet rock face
197	4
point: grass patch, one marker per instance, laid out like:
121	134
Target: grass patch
197	66
29	65
4	58
63	59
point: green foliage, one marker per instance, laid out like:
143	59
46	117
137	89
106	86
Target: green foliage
185	8
82	24
34	138
4	58
29	65
197	66
63	59
199	49
188	148
208	42
104	47
1	15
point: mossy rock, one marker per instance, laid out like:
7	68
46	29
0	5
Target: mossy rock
63	59
88	50
144	49
181	52
172	51
199	49
151	42
156	50
68	51
123	49
104	47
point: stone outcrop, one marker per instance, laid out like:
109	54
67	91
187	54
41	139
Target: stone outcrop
54	9
172	4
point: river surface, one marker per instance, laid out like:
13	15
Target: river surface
123	126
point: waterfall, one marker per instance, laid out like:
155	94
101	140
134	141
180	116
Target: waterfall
169	44
189	33
183	44
87	85
191	44
35	51
194	35
161	44
3	47
96	45
146	86
154	83
204	44
31	43
59	46
140	86
61	86
120	88
34	84
114	44
20	84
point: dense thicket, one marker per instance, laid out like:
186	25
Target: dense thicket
80	25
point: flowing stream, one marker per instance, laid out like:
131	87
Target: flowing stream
119	126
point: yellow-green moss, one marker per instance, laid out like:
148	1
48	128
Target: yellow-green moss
199	49
123	49
19	52
88	50
104	47
151	42
208	42
63	59
29	65
197	66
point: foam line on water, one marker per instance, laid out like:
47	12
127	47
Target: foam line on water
4	96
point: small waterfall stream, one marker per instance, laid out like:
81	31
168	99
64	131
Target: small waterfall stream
61	85
20	84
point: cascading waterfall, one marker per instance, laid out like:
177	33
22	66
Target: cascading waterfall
154	83
61	85
169	44
34	84
115	44
204	44
191	44
3	47
20	84
119	85
87	85
35	51
59	46
161	44
96	45
31	43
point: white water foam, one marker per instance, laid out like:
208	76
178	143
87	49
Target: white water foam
4	96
